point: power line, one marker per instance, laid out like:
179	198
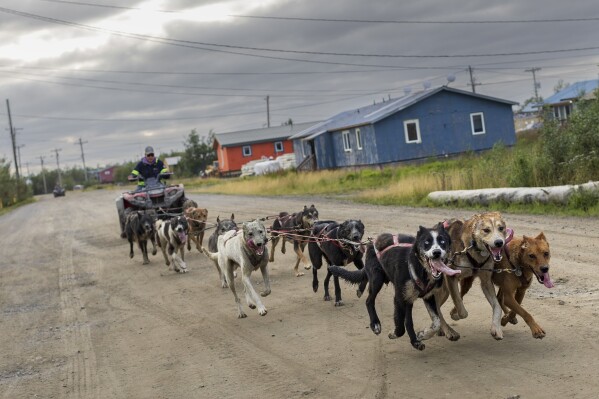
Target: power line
195	44
428	22
78	3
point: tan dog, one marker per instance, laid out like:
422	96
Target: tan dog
197	225
476	245
530	256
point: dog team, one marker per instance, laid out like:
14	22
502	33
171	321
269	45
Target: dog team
436	263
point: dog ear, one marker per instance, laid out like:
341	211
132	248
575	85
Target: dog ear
541	236
232	216
218	219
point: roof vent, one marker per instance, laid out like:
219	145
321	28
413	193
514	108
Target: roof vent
407	91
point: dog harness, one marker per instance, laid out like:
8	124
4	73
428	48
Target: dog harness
395	244
424	289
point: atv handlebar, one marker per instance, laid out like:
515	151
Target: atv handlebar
161	176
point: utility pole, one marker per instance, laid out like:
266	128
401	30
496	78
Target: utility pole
534	79
44	174
267	111
472	80
83	156
19	155
13	139
56	150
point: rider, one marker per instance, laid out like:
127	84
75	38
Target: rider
148	167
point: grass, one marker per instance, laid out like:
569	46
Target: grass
7	209
406	185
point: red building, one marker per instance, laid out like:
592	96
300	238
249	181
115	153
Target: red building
107	175
234	149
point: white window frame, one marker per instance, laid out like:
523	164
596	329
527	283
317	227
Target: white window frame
482	119
359	139
303	148
279	146
346	142
246	150
405	130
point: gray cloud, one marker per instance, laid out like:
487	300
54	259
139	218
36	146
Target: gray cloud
128	93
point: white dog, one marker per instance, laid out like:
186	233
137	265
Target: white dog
171	237
246	249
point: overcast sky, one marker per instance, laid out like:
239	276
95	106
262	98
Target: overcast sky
147	73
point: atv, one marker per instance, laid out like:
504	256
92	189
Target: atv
165	200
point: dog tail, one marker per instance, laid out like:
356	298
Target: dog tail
211	255
353	276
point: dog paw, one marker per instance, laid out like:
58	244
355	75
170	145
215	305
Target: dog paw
538	332
497	333
241	315
327	297
315	286
131	255
393	336
251	306
359	293
265	293
450	334
456	315
418	345
299	274
154	251
224	285
376	328
263	312
308	267
339	303
146	262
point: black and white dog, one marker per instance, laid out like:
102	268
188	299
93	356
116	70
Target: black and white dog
172	236
415	266
139	228
339	244
222	226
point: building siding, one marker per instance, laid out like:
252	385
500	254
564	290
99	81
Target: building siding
230	159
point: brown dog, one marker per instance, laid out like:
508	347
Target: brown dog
476	245
196	218
528	257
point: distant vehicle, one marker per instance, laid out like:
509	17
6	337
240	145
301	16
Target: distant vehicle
59	191
78	187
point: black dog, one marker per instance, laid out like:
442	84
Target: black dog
139	227
340	245
415	266
222	226
296	228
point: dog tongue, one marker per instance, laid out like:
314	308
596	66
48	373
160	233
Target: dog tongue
441	267
547	282
182	237
260	250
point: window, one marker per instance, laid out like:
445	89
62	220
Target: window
247	150
358	139
278	146
477	122
346	142
412	131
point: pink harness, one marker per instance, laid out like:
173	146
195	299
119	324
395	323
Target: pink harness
396	243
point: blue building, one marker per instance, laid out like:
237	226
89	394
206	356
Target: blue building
563	103
432	123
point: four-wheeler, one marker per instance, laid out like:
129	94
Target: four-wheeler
165	200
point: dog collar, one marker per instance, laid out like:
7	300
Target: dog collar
424	289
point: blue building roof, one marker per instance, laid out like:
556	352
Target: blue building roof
573	91
375	112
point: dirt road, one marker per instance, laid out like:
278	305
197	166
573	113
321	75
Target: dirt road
79	319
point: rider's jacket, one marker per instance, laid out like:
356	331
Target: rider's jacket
148	169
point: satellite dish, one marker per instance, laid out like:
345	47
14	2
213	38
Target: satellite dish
450	78
426	85
407	90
